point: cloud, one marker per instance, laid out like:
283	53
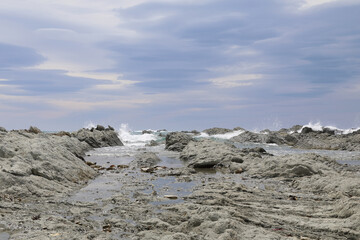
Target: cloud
235	80
16	56
222	61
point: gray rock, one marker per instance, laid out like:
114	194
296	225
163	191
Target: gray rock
41	165
248	137
290	166
207	153
2	129
215	131
145	160
147	132
35	130
100	128
152	143
306	130
96	138
176	236
239	128
328	141
265	137
176	141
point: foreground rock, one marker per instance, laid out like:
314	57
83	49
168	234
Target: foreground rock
291	197
43	165
208	153
145	160
176	141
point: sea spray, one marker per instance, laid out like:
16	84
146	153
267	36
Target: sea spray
319	127
221	136
134	138
89	125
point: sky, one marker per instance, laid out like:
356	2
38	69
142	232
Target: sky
179	64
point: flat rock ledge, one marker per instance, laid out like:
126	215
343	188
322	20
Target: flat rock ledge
208	153
47	165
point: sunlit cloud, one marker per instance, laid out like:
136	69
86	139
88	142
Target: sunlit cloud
311	3
235	80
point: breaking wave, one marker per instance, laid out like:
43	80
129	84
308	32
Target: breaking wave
134	138
222	136
319	127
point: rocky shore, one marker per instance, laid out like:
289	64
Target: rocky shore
37	164
216	190
305	138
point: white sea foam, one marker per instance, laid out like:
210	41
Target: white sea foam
134	138
222	136
89	125
319	127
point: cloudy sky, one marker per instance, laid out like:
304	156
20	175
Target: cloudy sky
179	64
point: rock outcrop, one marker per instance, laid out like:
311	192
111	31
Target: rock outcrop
177	141
304	137
36	164
98	138
207	153
267	137
216	130
145	160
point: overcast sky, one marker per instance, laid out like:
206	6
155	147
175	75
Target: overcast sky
179	64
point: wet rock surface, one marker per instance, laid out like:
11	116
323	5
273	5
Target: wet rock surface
35	164
209	153
176	141
305	138
99	137
294	196
215	131
145	160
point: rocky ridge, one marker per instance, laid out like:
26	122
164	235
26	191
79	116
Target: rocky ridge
36	164
305	138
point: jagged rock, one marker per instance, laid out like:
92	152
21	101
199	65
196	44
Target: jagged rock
2	129
100	128
176	236
215	131
328	131
290	166
248	137
145	160
195	132
161	130
96	138
207	153
152	143
306	130
62	134
41	164
239	128
110	128
290	140
147	132
176	141
35	130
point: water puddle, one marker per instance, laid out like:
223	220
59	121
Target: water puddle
349	162
169	186
104	186
277	150
4	236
